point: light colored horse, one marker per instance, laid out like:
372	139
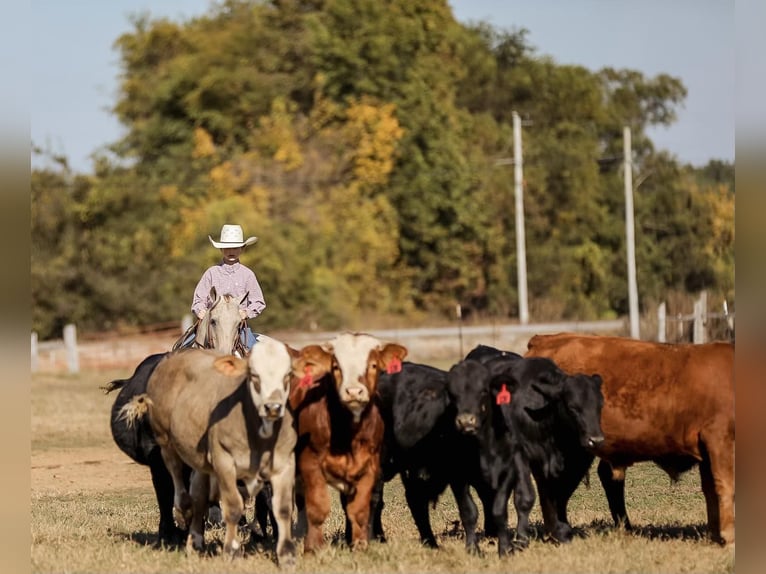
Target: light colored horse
219	328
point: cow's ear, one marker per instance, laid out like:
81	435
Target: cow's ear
391	357
497	381
294	353
312	360
230	366
596	377
549	391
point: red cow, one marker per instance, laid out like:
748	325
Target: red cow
672	404
340	429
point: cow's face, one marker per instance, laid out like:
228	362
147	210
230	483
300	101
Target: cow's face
577	396
357	361
270	367
583	400
468	387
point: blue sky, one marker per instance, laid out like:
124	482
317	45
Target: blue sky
75	68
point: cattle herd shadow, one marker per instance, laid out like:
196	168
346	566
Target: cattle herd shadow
687	532
258	544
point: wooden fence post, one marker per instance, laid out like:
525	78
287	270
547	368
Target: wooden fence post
700	312
35	357
661	315
70	342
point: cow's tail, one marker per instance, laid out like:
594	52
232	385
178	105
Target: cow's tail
113	386
135	409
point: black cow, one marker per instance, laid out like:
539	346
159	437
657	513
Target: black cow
502	465
485	353
137	441
422	445
556	417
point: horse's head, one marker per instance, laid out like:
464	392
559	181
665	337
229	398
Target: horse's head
219	329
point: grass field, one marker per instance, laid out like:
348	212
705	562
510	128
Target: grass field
93	510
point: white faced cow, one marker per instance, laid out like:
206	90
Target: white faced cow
226	417
340	428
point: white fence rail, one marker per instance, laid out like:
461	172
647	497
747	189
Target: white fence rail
700	322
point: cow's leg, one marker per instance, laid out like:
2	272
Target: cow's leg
523	501
613	481
199	490
232	507
560	531
500	518
417	499
317	500
182	504
376	508
264	512
717	478
575	469
283	487
301	523
487	498
168	532
469	514
358	508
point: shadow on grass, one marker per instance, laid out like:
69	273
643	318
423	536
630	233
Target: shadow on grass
688	532
692	532
254	543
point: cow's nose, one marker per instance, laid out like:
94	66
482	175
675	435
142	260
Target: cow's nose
595	441
358	394
466	422
273	410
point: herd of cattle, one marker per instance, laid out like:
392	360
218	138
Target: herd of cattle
283	424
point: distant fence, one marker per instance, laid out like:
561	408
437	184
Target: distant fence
126	351
423	342
103	350
696	327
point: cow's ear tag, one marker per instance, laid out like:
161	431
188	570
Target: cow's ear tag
306	378
394	366
504	396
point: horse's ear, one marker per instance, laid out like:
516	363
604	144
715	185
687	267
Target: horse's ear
213	294
244	298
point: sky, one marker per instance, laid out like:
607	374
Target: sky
76	68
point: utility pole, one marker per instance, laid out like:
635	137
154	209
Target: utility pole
630	236
521	250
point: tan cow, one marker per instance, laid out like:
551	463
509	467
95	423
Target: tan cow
668	403
226	417
340	428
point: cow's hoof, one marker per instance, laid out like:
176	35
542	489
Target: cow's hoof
287	561
215	516
179	518
520	543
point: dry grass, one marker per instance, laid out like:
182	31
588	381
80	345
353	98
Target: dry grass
93	510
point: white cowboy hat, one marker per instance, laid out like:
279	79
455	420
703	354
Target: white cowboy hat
232	236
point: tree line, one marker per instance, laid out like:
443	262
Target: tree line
359	140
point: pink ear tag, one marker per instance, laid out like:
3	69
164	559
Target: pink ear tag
504	396
394	366
306	378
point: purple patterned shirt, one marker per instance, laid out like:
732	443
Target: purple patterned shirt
233	279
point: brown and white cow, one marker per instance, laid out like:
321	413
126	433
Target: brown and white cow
226	418
672	404
340	429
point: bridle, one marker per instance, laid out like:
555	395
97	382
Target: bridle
237	348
